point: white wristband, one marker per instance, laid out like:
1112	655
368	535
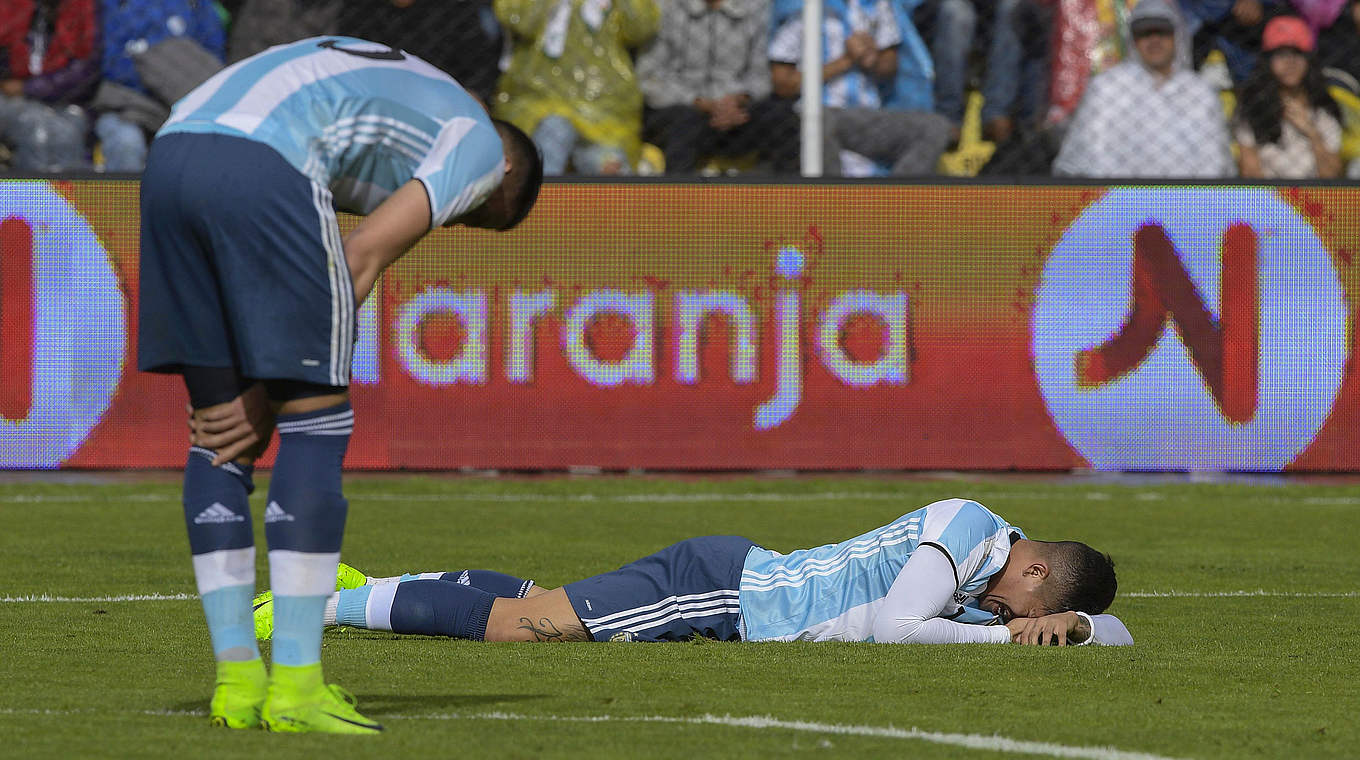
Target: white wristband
1091	624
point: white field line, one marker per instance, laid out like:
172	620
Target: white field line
46	598
972	491
634	498
690	496
182	597
971	741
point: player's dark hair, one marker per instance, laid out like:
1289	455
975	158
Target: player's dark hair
524	157
1080	578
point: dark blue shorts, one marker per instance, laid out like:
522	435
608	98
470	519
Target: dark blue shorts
684	590
241	264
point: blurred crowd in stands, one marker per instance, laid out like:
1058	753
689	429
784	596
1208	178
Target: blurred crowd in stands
1094	88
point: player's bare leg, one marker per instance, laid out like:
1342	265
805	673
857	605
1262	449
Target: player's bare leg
548	616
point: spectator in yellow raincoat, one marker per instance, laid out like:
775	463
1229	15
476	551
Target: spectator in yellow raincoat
570	83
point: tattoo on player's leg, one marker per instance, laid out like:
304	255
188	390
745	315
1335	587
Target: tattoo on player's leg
546	630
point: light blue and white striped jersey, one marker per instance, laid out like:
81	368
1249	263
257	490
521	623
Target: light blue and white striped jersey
852	89
358	118
834	592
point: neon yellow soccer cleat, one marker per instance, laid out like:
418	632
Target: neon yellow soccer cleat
239	695
347	577
325	708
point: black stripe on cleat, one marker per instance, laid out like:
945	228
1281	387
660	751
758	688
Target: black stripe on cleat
374	726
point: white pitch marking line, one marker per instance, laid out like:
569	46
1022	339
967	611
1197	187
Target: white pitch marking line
636	498
971	741
45	598
980	493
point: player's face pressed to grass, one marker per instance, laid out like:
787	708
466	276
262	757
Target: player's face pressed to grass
1017	591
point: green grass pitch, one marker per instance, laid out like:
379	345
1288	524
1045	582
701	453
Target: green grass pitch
1215	673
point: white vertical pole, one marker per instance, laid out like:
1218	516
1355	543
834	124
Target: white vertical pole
811	103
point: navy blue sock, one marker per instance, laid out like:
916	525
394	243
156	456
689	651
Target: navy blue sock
307	508
305	523
490	581
217	503
440	608
217	515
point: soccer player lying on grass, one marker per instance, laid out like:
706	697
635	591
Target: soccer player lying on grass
947	573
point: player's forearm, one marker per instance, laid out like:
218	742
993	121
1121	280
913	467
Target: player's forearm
366	261
380	239
937	631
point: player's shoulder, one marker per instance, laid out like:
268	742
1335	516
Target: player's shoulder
356	59
957	507
958	516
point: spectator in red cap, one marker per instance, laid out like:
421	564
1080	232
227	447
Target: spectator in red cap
1288	127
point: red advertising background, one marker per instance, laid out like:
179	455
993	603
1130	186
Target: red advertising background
965	262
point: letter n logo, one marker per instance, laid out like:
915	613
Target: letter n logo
1224	351
16	318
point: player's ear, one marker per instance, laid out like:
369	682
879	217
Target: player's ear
1036	570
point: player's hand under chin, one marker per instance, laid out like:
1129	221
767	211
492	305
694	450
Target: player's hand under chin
1058	629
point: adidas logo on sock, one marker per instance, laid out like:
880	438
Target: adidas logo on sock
465	579
217	514
274	513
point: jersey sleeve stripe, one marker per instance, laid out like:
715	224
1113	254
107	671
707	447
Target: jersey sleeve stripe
419	136
945	552
346	127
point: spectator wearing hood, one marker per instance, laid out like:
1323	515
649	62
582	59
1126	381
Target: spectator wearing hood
570	83
1151	115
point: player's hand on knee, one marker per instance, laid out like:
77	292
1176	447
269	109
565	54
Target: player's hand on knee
240	428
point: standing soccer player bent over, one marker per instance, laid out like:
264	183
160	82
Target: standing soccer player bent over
249	292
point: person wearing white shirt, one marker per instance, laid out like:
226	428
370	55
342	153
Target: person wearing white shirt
1150	116
1288	126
